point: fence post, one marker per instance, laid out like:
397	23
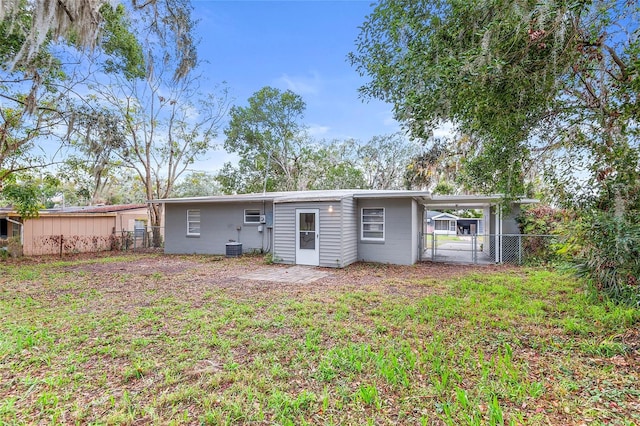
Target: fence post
433	246
519	249
474	249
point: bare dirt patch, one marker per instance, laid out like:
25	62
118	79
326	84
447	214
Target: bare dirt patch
138	266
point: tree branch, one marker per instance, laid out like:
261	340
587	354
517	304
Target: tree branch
66	10
24	104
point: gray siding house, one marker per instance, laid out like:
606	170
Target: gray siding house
320	228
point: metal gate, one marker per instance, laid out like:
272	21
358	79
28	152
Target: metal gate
468	248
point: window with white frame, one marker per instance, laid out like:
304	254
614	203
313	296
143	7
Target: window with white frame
372	224
251	216
193	222
441	225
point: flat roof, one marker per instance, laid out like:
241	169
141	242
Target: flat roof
424	197
292	196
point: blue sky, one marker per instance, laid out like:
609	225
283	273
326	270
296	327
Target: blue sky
298	45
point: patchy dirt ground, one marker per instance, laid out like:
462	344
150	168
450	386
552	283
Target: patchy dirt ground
187	333
218	271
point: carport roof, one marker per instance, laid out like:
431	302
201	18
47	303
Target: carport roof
469	201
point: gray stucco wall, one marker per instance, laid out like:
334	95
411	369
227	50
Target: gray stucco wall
509	222
397	247
218	225
330	230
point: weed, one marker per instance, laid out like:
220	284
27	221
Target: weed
368	394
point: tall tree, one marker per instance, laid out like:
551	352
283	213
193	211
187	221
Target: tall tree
528	81
521	77
38	93
168	125
196	184
335	165
384	160
97	135
269	137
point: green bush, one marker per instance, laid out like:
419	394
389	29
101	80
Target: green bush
552	233
610	260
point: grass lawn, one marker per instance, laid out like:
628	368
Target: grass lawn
153	339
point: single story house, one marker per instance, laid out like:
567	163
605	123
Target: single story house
449	224
73	229
321	228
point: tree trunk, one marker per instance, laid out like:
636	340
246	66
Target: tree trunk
156	230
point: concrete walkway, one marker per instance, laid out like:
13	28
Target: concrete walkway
296	274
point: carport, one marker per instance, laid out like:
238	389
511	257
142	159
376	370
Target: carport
484	246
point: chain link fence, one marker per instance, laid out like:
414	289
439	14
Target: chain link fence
151	237
517	249
521	249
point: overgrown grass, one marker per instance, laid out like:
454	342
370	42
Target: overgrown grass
524	346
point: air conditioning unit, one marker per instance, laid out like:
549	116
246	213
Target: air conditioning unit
263	218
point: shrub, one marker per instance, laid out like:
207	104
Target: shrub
610	259
552	234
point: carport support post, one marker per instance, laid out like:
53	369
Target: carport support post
498	233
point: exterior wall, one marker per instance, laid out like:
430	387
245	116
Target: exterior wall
509	222
218	225
399	229
125	220
330	232
349	231
68	234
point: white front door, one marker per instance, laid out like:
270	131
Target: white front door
307	238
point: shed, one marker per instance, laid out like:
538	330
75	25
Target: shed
72	230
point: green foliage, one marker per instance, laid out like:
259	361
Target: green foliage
510	76
541	219
25	197
611	257
277	155
553	234
443	188
266	135
196	184
122	46
384	160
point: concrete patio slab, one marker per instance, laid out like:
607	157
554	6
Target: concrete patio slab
296	274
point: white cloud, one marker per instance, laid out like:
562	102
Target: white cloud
214	161
317	130
300	84
446	130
